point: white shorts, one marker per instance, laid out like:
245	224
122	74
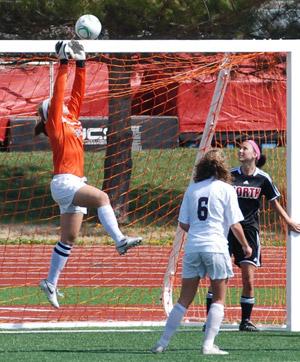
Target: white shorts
63	188
215	265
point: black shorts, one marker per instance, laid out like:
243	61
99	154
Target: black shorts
236	250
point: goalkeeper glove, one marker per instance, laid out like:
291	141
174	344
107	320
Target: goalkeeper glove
76	50
61	48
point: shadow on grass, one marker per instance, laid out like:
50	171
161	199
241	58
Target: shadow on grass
157	204
25	197
25	194
143	352
122	351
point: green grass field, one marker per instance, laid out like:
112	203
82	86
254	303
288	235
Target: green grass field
159	178
103	345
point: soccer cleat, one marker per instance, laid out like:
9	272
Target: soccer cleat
204	327
213	350
158	348
51	292
127	243
247	326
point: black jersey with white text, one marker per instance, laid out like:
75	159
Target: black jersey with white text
250	190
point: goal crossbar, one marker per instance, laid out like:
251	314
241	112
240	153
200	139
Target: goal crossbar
156	46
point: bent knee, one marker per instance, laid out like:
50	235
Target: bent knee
102	198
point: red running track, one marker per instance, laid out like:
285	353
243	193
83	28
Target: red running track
92	266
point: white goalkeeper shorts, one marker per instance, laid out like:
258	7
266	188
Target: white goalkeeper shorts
63	188
200	264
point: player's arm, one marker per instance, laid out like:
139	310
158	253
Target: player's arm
272	194
238	232
54	123
292	225
183	217
77	52
184	227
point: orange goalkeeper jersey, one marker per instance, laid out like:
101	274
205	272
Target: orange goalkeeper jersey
63	128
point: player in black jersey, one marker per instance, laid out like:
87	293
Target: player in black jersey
251	184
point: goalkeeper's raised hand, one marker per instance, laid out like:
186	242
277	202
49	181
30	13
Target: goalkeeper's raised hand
61	49
76	50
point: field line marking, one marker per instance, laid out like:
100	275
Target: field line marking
26	309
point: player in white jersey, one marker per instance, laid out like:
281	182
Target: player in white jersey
208	210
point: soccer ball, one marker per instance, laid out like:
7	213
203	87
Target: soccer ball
88	27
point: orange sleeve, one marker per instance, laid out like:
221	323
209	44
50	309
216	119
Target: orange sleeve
77	94
54	123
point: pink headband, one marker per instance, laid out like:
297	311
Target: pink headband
255	147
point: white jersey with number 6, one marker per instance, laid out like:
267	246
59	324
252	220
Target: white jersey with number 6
210	207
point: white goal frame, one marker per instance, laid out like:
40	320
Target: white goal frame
292	48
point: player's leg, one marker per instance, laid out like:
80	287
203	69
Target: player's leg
209	299
70	224
89	196
248	267
234	249
188	290
247	298
215	317
219	269
191	272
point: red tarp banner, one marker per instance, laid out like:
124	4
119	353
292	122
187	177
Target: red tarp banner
246	106
250	103
23	88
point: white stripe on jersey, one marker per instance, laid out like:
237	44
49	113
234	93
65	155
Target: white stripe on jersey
258	171
261	172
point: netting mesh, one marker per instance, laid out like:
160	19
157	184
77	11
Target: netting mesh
143	117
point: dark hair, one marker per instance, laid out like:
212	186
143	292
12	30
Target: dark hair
212	164
40	128
262	159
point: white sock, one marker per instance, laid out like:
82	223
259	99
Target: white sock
213	324
172	324
59	259
109	221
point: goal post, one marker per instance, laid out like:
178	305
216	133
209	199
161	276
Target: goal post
205	144
166	74
293	192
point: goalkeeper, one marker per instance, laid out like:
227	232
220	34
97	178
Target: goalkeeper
68	187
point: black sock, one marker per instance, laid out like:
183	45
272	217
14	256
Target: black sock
209	297
247	304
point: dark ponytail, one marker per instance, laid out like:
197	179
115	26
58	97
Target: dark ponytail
261	161
40	128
